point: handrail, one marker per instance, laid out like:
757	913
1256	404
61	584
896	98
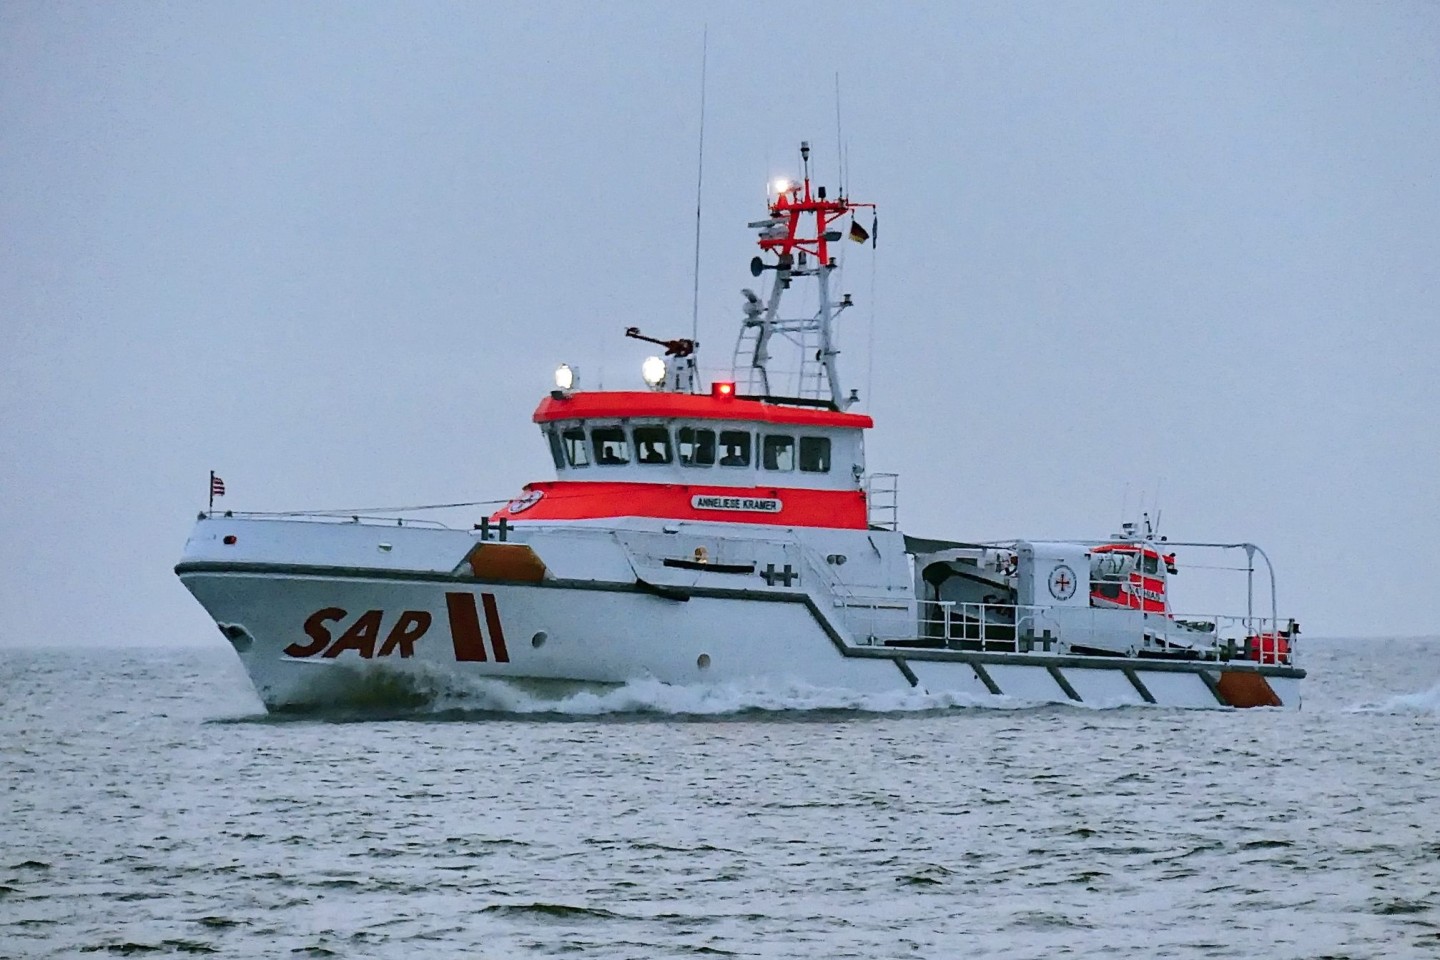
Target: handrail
1205	636
323	517
882	500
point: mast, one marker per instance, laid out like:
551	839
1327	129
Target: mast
798	233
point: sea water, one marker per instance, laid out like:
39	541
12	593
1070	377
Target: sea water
148	806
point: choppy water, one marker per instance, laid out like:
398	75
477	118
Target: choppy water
146	808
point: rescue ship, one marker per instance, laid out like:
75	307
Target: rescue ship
730	532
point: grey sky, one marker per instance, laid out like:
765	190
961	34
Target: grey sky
333	251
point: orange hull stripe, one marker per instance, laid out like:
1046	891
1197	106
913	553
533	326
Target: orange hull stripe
1247	689
497	633
465	628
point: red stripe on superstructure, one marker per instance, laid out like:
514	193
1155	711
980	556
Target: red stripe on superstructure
1130	548
641	403
465	628
497	634
1128	600
589	500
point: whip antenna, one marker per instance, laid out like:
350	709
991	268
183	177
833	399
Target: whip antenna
699	184
839	141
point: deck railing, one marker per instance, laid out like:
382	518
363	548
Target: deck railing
323	517
1038	628
882	500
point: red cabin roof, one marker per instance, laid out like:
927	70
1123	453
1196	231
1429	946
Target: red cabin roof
643	403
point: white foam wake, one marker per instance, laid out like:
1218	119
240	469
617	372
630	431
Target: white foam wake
1426	701
422	692
652	696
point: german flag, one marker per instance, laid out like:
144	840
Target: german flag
858	233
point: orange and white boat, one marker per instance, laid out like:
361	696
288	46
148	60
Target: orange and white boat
729	533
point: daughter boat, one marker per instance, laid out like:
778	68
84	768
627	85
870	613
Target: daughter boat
729	533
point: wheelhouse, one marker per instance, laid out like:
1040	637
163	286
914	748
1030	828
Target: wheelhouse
721	453
659	454
1130	575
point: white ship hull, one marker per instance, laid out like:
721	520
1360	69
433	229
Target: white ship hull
314	610
729	535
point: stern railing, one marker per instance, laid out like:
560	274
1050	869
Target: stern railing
1037	628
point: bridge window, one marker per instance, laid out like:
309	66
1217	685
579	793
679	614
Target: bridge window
734	448
697	447
575	450
815	454
557	449
778	452
611	446
1152	564
652	445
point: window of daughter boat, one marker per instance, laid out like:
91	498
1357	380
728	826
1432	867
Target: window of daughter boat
697	447
778	452
652	445
612	448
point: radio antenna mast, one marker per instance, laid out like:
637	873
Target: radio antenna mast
699	184
839	141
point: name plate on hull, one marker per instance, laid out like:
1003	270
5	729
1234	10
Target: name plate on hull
707	501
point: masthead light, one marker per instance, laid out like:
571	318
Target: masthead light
564	377
653	371
782	186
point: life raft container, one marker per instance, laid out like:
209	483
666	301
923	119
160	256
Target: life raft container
1268	647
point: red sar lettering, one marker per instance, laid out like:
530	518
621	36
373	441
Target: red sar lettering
362	634
462	610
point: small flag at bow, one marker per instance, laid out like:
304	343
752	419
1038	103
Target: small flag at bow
217	489
858	233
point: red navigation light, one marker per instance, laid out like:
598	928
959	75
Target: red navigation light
722	389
